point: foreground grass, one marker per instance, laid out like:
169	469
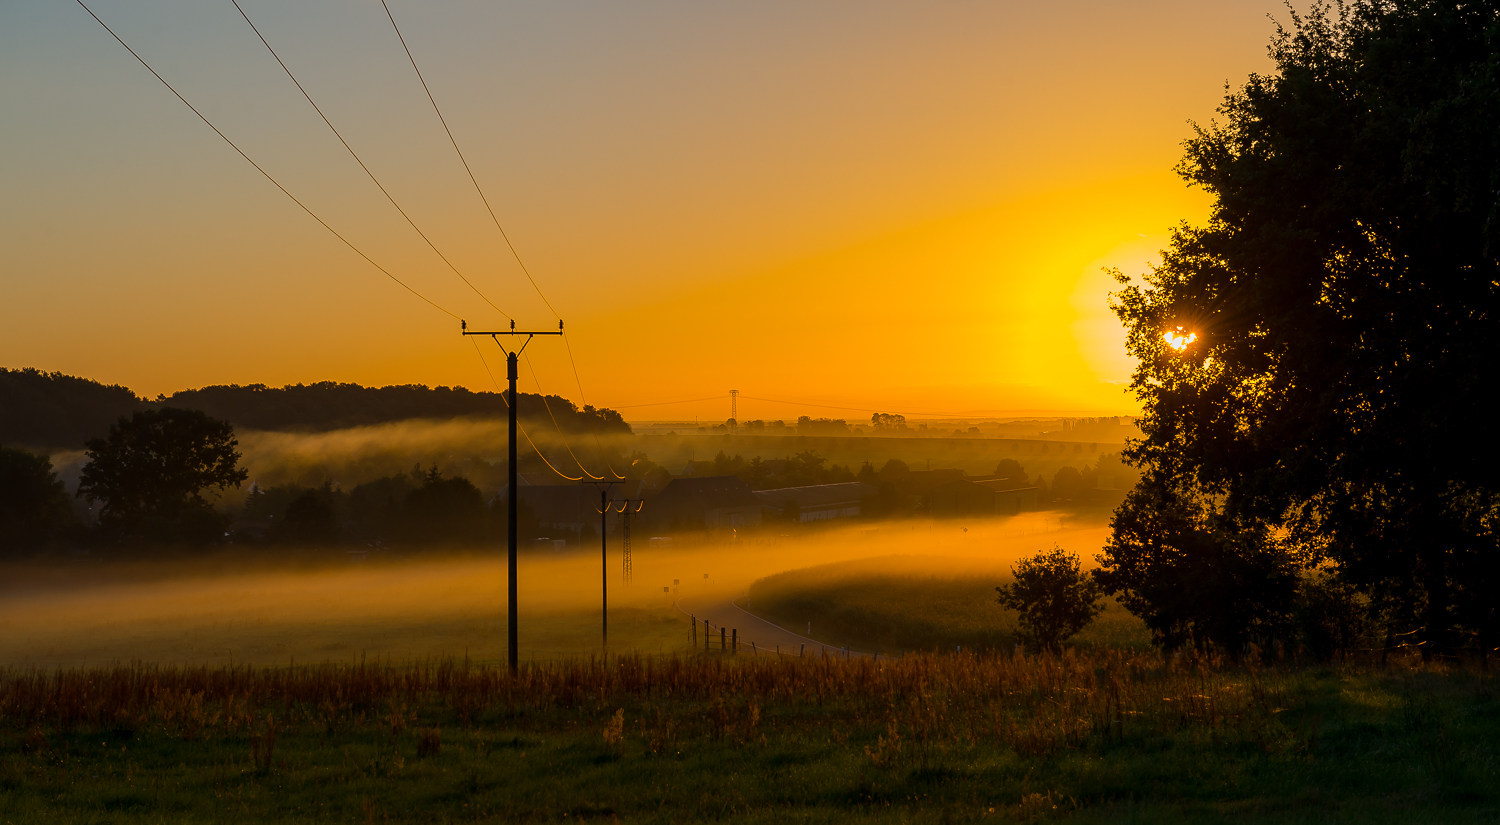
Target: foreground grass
1103	736
896	604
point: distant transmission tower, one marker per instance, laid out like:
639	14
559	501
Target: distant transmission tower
734	410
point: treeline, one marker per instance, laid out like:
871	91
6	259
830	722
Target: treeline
422	508
49	411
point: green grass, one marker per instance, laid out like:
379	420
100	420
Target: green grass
889	605
929	739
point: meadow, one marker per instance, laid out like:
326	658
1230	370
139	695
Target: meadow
899	604
1091	736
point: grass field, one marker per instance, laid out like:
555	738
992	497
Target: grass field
1100	736
898	604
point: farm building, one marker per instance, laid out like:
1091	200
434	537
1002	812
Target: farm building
981	497
715	502
818	502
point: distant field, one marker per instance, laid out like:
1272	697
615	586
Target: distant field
898	604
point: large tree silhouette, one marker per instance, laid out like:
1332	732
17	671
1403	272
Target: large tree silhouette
152	470
1344	296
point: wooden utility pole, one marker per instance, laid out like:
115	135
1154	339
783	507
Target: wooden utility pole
511	401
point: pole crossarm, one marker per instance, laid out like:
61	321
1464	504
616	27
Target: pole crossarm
512	401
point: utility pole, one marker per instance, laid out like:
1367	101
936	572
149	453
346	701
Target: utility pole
734	411
603	486
512	401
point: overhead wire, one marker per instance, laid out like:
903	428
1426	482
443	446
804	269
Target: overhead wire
585	401
560	435
496	220
519	426
262	171
361	162
464	160
666	403
851	409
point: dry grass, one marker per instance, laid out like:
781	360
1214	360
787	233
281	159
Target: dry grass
1036	705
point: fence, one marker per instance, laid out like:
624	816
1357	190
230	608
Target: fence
729	642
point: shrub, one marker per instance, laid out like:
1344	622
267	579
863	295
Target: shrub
1055	598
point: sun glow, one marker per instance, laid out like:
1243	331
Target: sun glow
1179	340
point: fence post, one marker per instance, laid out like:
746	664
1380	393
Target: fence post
723	635
707	636
695	631
802	651
753	651
734	640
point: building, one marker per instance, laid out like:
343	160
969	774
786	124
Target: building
712	503
569	508
818	502
981	497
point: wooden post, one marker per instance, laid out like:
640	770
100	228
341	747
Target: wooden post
734	640
707	636
723	639
802	651
695	632
753	651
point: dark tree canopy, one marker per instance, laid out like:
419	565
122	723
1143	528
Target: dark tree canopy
34	505
328	405
1344	296
1054	597
153	469
51	410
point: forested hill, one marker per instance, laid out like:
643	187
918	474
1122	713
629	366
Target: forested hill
51	410
56	411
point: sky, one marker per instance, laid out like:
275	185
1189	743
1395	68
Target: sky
835	208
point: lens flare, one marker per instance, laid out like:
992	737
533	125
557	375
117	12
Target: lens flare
1179	340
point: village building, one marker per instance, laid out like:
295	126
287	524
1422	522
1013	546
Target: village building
981	497
712	503
818	502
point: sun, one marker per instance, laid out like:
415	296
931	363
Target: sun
1179	340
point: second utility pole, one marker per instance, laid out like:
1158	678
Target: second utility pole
512	401
603	486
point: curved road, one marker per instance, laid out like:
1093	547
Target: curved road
723	612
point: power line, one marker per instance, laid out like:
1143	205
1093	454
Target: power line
534	448
361	162
258	168
563	438
851	409
465	160
665	403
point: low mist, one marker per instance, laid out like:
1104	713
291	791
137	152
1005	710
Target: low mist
429	606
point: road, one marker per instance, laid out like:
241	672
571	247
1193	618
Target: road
767	637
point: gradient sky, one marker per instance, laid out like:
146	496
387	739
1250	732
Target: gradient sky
901	207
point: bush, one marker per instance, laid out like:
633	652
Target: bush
1055	598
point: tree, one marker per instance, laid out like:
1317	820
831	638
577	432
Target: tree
445	510
1307	356
1195	576
34	507
1055	598
1011	469
312	518
151	473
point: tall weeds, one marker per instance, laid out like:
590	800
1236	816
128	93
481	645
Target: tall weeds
912	708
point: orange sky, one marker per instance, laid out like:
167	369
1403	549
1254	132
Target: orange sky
892	206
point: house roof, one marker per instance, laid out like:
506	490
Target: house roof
818	495
1005	485
571	502
706	493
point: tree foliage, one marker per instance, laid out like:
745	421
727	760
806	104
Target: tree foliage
151	473
34	506
1334	321
1055	598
